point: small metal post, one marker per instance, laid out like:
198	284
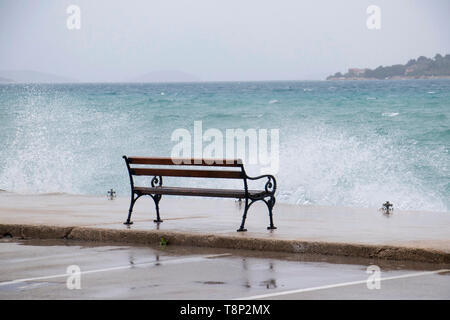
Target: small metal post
387	207
111	194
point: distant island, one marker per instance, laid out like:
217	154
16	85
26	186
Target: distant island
166	76
5	80
420	68
30	76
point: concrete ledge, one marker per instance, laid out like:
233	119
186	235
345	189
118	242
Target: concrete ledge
224	241
34	231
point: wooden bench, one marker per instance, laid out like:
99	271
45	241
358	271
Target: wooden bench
199	168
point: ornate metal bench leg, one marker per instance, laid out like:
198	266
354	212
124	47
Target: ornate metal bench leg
157	198
130	211
241	228
270	205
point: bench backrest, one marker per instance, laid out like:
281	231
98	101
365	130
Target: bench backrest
235	167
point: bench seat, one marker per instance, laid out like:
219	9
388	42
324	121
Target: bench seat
200	192
159	167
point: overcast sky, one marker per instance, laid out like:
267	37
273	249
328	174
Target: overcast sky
217	39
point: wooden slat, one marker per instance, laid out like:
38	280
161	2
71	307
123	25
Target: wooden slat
186	173
198	192
186	161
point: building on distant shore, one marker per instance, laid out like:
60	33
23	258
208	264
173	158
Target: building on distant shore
420	68
356	72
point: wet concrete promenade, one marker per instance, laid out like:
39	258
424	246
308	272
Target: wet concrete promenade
351	232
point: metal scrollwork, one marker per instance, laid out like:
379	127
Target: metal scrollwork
271	185
156	181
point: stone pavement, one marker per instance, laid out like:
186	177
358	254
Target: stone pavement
353	232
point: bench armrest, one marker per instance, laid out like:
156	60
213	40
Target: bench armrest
271	184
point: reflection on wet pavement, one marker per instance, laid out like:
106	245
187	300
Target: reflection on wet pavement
143	272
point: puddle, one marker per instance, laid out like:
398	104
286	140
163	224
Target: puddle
211	282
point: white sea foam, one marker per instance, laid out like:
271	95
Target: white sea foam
390	114
340	168
63	142
57	147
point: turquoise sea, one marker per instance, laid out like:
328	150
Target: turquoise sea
348	143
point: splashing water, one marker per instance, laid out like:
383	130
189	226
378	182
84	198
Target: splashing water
342	143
